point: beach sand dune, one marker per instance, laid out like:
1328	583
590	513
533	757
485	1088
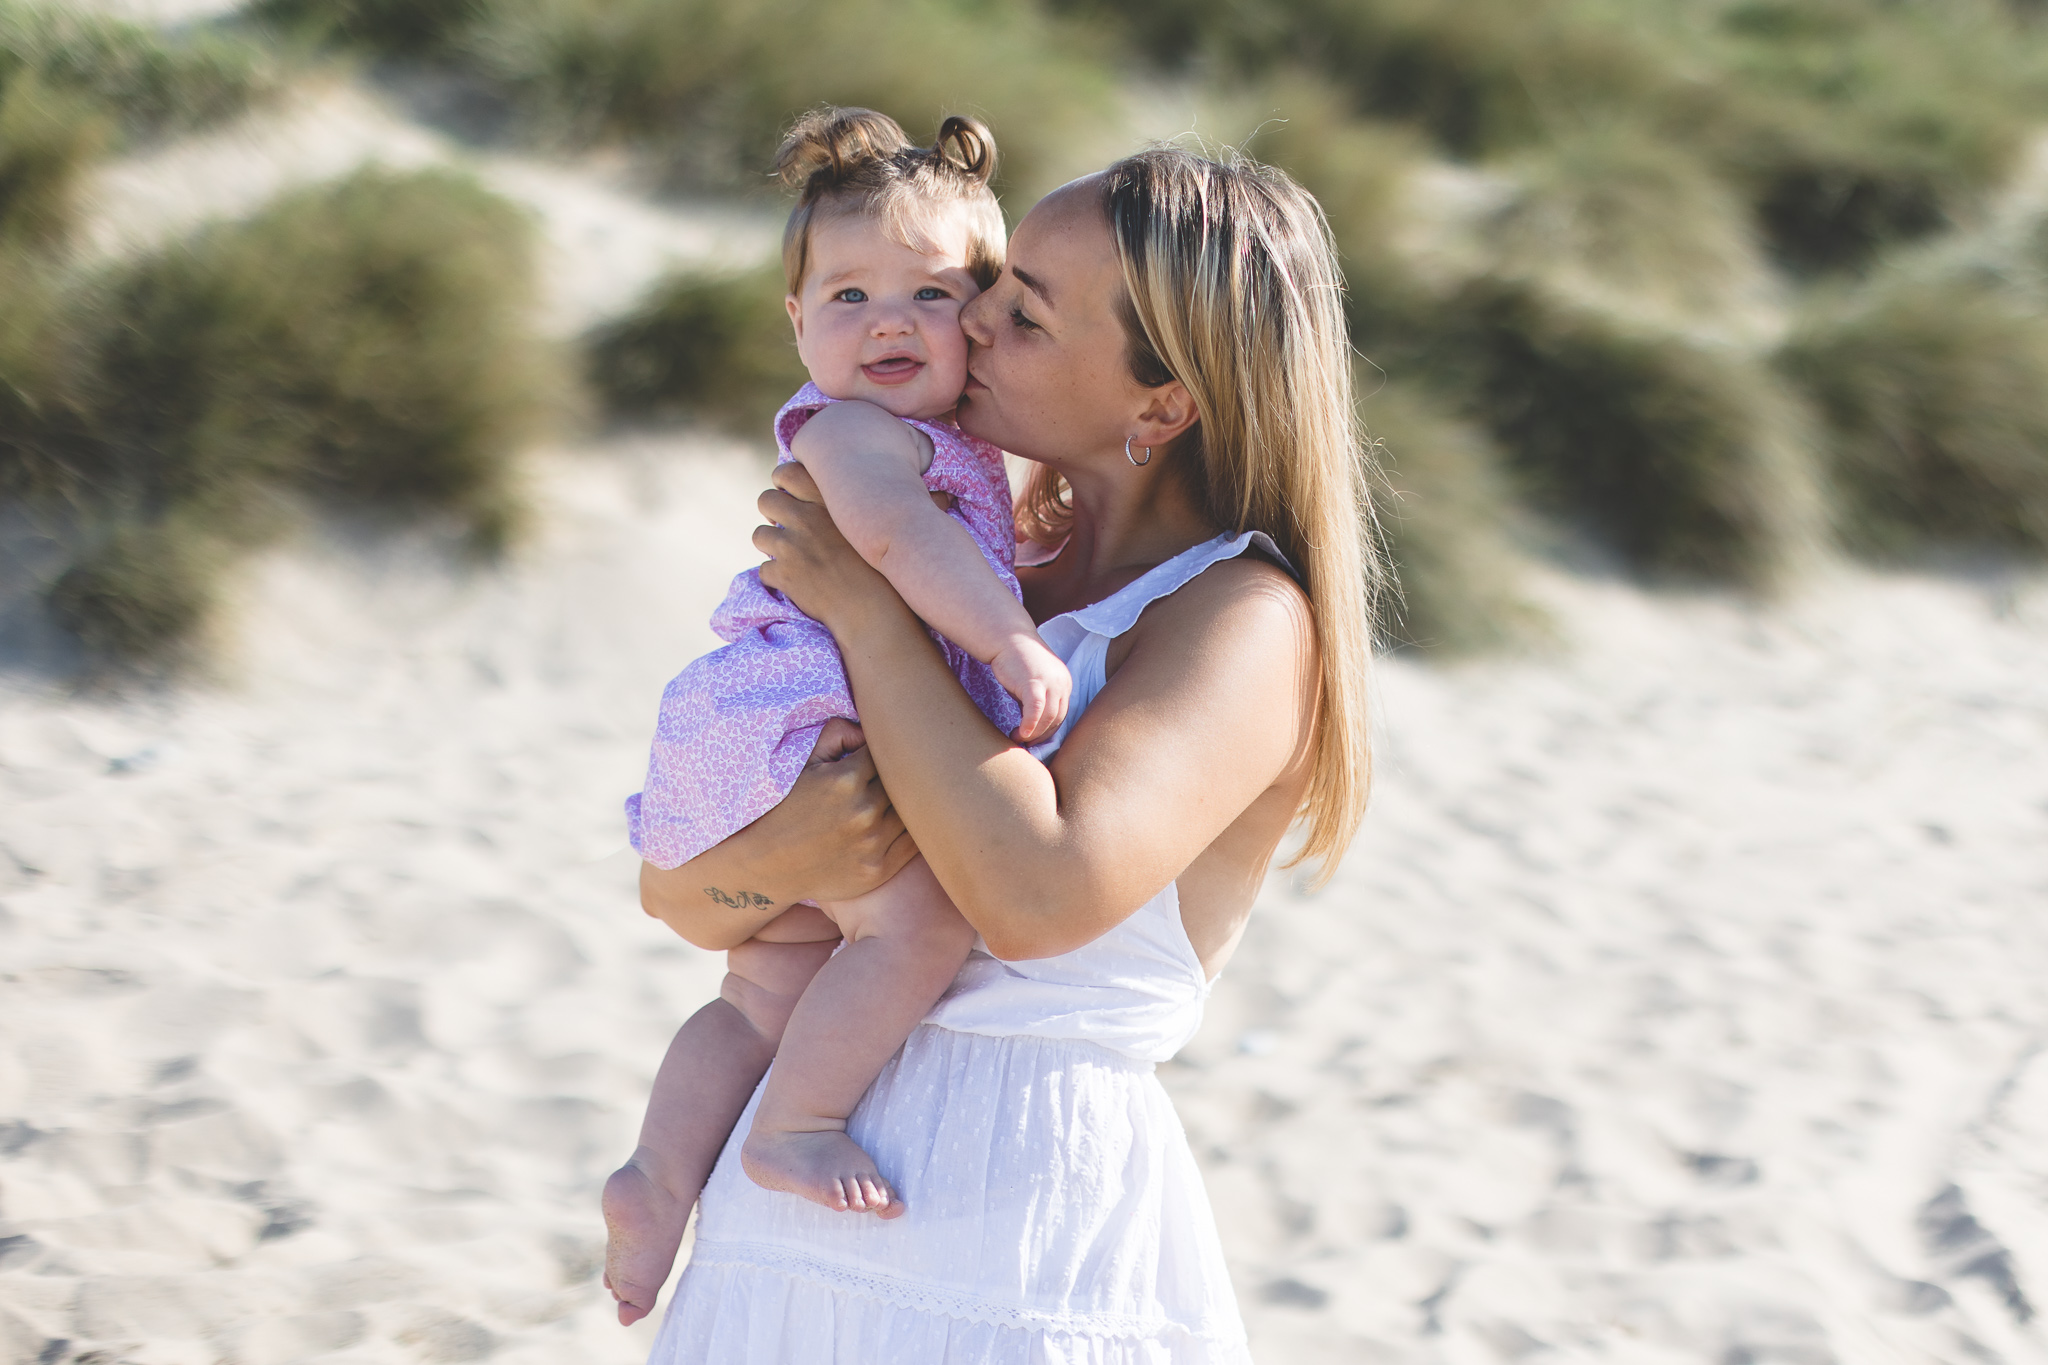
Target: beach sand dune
1681	1003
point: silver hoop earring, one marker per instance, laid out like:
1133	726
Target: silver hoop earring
1134	459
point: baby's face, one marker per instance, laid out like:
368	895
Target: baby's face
880	321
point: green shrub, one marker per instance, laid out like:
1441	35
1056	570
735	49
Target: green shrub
1640	224
142	594
719	345
152	82
368	343
44	396
1847	123
709	85
1687	459
712	83
1449	525
370	340
1479	76
1934	395
48	138
407	28
1855	123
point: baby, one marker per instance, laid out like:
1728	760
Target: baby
886	244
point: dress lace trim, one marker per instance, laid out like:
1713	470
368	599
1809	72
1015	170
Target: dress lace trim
922	1297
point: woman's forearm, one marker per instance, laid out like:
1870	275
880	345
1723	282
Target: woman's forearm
1041	860
833	837
720	898
991	813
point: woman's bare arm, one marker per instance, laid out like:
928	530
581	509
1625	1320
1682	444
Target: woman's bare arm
1206	712
868	467
834	837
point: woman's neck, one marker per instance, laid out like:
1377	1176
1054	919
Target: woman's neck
1124	523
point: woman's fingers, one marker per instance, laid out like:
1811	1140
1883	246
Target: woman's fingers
792	478
839	738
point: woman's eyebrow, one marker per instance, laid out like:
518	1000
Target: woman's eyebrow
1032	283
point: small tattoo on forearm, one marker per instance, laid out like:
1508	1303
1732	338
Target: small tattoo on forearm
739	900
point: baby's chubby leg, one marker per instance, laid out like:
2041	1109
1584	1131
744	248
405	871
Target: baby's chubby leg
904	945
705	1080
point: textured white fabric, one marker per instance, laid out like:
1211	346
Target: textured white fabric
1055	1214
1139	989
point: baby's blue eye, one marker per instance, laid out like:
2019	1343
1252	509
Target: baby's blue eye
851	296
929	293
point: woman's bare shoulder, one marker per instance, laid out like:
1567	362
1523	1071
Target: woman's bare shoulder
1235	645
1249	600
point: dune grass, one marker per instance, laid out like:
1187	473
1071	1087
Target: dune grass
1645	226
49	137
707	86
44	391
143	593
1934	395
719	345
410	28
366	344
368	341
1449	523
1845	124
1855	124
151	83
1687	460
1478	77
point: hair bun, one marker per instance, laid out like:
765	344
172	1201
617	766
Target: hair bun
831	142
968	145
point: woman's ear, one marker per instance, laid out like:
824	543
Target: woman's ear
1169	410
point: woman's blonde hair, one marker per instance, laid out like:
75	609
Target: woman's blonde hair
856	161
1232	287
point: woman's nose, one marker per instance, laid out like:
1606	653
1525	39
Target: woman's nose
974	319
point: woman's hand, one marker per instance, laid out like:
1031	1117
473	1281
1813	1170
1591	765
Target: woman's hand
809	562
834	837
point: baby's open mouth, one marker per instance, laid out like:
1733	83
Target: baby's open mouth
895	369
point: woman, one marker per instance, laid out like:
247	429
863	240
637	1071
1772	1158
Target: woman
1167	342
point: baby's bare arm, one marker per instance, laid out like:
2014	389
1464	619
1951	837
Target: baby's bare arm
870	468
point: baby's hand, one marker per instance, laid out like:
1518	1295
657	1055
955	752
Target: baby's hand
1038	680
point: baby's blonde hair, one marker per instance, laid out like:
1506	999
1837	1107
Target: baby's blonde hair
859	162
1231	286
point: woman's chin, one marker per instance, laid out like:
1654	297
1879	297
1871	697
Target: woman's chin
974	418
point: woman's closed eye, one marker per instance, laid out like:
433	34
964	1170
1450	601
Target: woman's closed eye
1019	321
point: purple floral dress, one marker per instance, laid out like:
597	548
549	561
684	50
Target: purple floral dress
738	723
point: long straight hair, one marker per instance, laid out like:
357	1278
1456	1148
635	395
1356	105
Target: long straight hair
1232	287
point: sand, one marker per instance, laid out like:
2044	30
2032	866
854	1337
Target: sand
1681	1002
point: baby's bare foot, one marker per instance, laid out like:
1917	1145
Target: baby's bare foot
643	1227
827	1167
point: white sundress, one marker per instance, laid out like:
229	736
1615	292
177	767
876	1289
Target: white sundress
1055	1214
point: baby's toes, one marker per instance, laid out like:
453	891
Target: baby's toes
888	1204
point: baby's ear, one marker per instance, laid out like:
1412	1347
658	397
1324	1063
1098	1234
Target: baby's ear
794	306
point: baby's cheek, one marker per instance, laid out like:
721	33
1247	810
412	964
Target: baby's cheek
949	361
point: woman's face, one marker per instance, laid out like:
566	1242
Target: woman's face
1047	374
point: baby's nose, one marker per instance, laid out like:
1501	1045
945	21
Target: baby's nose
893	321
